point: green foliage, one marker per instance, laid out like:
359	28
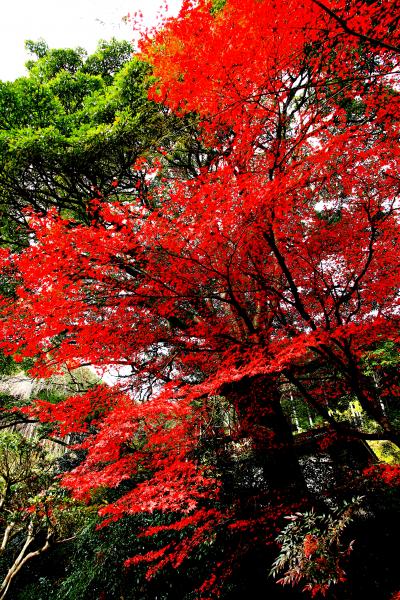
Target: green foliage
108	59
71	129
51	62
34	511
42	589
23	470
312	549
7	365
302	417
72	90
386	451
217	6
386	355
38	48
93	566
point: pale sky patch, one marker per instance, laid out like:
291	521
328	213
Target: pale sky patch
66	24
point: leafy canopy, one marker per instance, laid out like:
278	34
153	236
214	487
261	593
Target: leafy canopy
269	275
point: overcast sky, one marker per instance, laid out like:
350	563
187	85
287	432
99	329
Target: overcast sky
65	23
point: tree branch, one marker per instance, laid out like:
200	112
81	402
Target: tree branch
350	31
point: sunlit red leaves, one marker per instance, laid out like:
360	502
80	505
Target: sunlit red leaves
76	413
281	252
310	545
384	473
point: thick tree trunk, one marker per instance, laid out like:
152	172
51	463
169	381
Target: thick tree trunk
268	482
262	421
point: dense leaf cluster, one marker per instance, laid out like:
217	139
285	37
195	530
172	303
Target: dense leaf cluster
241	277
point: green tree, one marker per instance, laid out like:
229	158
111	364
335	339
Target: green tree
72	129
34	513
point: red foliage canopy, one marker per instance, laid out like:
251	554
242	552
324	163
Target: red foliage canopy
272	274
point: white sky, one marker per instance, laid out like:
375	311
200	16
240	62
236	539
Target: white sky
66	23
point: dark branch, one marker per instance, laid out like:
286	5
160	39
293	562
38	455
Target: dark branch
350	31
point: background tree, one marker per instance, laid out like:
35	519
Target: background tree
72	130
33	510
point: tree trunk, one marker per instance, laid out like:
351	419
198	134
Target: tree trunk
261	420
23	558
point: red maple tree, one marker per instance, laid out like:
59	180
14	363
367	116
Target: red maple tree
272	274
